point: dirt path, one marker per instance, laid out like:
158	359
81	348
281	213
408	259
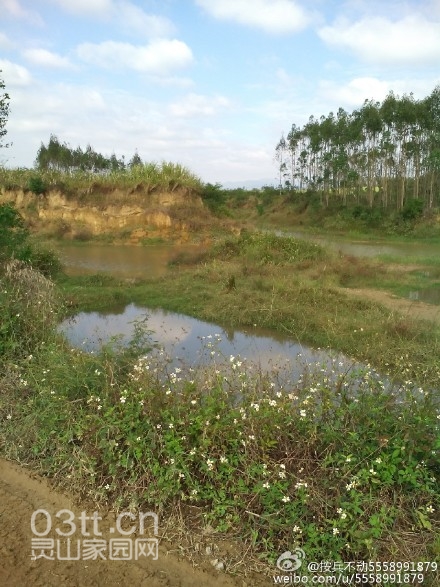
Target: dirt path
412	309
22	493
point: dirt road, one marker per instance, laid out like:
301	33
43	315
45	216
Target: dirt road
22	493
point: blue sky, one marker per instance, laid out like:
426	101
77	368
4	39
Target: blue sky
211	84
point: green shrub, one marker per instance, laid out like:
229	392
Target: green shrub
41	259
412	209
37	185
13	232
29	307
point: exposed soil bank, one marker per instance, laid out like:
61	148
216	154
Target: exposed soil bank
138	216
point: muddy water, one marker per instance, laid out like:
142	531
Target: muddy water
152	260
120	260
369	248
195	342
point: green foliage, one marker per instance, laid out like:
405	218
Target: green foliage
378	155
267	249
4	112
412	210
15	243
37	185
214	197
371	217
29	308
41	259
92	171
13	232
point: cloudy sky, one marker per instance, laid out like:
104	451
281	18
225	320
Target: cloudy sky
211	84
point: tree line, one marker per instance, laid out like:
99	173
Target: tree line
59	156
384	153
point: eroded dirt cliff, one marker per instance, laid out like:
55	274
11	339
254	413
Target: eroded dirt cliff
135	215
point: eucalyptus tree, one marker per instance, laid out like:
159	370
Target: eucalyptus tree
433	140
4	112
390	148
280	157
292	144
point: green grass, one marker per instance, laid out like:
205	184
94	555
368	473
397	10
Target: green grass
422	259
86	186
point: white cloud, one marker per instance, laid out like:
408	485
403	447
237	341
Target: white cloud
14	75
273	16
86	7
14	9
5	42
412	40
127	15
122	121
133	18
46	58
158	57
198	105
356	91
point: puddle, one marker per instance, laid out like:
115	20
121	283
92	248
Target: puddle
430	295
196	342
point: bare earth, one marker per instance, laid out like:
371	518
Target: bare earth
22	493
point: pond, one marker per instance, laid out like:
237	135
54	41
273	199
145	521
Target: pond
374	248
120	260
430	295
195	342
152	260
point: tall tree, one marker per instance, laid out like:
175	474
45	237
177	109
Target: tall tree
380	154
4	112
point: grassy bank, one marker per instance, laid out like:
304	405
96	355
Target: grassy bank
333	462
307	211
145	177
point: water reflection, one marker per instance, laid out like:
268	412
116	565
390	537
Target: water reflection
152	261
367	248
430	295
196	342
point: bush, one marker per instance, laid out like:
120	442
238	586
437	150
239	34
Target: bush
43	260
412	210
13	232
37	185
214	197
28	310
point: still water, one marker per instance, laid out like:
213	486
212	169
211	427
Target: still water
120	260
195	342
369	248
183	337
152	260
430	295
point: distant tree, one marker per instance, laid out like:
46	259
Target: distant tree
4	112
381	154
135	160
